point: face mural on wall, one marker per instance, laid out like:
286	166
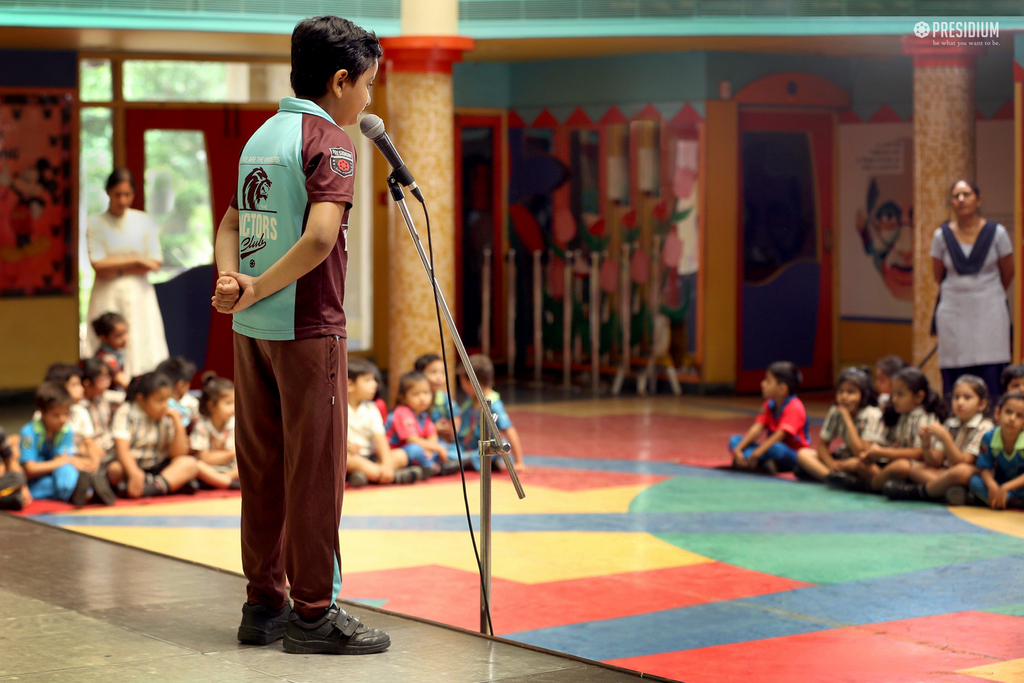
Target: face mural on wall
886	226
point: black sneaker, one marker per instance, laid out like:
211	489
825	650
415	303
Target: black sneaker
406	475
356	480
262	625
904	490
959	495
450	466
80	496
101	488
844	480
335	633
12	501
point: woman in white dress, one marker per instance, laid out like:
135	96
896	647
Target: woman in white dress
124	246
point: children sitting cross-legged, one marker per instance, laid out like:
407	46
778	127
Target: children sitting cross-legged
950	449
150	442
999	482
469	428
370	457
213	434
913	404
853	420
14	493
47	452
181	371
409	426
783	416
445	422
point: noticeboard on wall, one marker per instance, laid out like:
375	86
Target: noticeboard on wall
36	179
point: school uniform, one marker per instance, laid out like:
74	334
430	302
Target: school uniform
966	435
404	424
469	431
36	447
1005	461
439	411
206	437
906	433
790	417
148	439
291	363
100	413
868	422
364	423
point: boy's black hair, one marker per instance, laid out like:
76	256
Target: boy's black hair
483	366
978	386
890	365
916	381
93	368
51	395
860	378
407	382
786	373
1015	396
322	46
178	368
1010	373
106	323
426	359
5	448
359	366
147	384
214	388
62	372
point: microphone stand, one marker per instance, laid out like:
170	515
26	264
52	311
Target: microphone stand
491	441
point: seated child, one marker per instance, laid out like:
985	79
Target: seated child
181	371
445	423
783	416
150	442
95	382
48	457
1011	381
885	369
409	426
112	330
213	434
14	493
912	405
999	482
469	429
70	376
947	447
853	419
370	458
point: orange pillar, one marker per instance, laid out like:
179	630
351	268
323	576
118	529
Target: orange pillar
944	151
420	121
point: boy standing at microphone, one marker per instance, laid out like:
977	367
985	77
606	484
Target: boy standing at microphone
281	250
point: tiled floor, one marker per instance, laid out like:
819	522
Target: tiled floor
633	548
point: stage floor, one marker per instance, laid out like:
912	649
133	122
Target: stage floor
634	548
74	608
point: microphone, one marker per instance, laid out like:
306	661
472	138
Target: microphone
373	128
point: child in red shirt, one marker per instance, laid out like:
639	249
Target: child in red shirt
783	416
410	428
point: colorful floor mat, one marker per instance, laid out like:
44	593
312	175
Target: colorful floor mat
633	548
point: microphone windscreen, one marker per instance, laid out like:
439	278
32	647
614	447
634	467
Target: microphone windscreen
371	126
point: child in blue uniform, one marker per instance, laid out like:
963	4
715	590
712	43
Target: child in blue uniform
999	482
469	430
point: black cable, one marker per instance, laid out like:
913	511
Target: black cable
451	413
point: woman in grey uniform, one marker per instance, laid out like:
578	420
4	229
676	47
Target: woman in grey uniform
972	260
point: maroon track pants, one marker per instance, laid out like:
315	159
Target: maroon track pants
291	413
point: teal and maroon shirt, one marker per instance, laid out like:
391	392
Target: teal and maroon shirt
298	157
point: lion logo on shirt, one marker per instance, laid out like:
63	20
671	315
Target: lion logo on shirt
256	190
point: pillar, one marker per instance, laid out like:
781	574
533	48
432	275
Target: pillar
944	151
420	121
